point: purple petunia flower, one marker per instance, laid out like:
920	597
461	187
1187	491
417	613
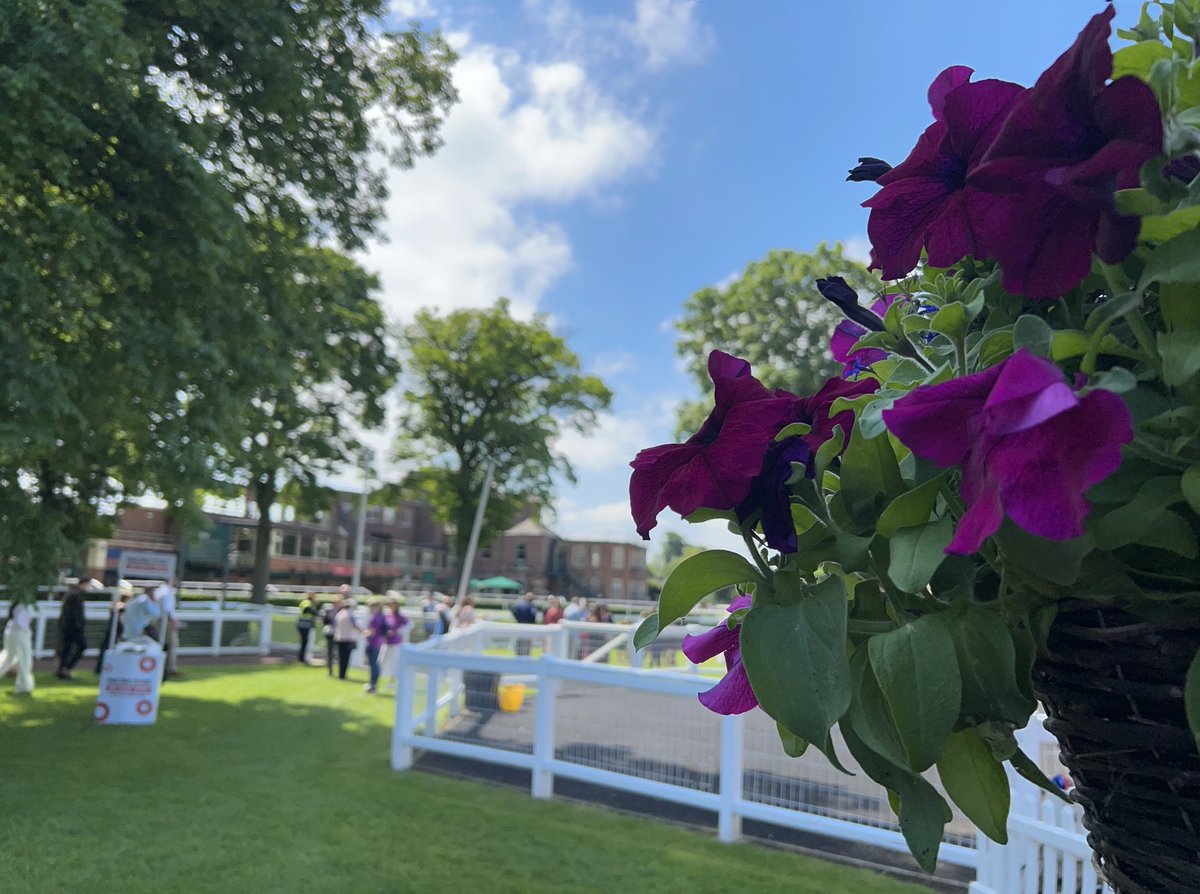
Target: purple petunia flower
846	335
1049	176
733	694
927	200
713	468
1029	446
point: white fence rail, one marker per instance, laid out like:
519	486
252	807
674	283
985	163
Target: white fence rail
629	728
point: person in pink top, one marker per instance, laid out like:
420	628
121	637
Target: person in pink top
389	657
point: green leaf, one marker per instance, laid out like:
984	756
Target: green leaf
796	428
868	714
1167	226
917	552
1180	352
1028	770
869	475
1137	59
951	320
852	552
1172	533
697	576
1140	202
1058	561
909	510
923	813
1033	333
647	632
1191	697
918	674
987	664
705	515
1191	487
795	659
1068	343
1175	261
793	745
976	782
1131	522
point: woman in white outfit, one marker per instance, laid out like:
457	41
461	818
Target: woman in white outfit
18	647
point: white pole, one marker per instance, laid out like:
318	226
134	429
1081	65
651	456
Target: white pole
469	558
358	540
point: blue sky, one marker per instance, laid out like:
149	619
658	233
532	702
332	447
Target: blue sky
610	158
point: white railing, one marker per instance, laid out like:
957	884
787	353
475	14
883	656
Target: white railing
653	739
204	629
1047	850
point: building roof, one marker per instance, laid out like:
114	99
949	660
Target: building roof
530	528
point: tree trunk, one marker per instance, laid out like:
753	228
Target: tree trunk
264	498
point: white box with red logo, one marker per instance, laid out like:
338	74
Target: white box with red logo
129	682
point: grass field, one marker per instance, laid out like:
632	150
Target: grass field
276	779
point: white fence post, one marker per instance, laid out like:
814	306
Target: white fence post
729	819
542	777
406	684
216	630
39	633
264	633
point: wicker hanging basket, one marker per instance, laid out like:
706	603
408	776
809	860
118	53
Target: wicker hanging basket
1112	686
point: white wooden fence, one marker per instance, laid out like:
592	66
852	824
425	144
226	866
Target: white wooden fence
1047	851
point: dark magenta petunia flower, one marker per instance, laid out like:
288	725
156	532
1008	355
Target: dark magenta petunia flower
846	335
733	694
769	497
1028	444
713	468
926	200
1066	145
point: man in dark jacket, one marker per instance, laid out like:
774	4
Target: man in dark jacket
71	639
524	612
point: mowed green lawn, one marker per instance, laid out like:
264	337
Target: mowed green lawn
263	779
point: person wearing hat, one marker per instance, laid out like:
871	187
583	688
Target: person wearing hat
71	638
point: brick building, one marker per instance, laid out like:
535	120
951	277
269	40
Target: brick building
403	545
547	563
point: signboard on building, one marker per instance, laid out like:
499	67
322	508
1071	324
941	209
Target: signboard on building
129	687
145	565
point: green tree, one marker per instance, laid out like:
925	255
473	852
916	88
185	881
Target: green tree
328	351
142	140
483	387
772	316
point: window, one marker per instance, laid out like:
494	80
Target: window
320	548
306	545
374	513
245	544
617	589
637	590
486	552
637	557
378	551
521	553
389	515
289	544
276	543
618	557
402	556
595	558
578	556
406	516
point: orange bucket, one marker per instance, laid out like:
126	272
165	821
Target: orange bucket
511	697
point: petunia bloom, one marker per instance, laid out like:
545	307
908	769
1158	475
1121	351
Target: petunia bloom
927	201
839	293
847	334
1050	173
713	468
1028	444
733	694
769	498
868	169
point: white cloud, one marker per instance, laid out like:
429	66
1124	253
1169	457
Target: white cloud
461	227
668	33
857	248
411	9
611	364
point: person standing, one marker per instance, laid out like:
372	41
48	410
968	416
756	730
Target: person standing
309	612
554	611
524	612
329	618
345	635
71	638
577	610
18	647
464	615
431	618
389	657
377	634
164	595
